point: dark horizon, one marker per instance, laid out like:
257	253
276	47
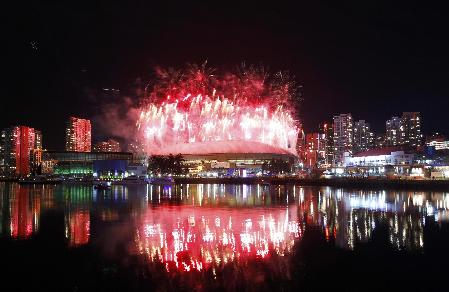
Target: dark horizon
374	60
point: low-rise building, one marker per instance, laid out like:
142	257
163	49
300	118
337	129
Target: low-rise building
439	144
109	145
380	157
82	163
389	162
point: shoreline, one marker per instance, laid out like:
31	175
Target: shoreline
442	185
359	183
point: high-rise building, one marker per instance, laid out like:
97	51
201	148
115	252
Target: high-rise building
327	129
393	131
380	141
343	137
38	138
315	149
405	130
363	137
411	129
109	145
301	145
78	135
17	146
2	151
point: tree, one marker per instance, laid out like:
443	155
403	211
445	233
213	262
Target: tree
166	165
276	166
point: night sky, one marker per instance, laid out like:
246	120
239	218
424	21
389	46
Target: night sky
370	59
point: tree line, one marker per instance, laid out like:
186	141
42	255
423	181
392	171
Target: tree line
276	166
166	165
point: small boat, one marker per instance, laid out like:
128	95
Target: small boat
102	186
162	181
265	183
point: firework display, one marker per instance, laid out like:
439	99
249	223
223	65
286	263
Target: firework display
195	105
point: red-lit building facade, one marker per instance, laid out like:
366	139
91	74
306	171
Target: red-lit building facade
18	144
78	135
107	146
315	150
327	130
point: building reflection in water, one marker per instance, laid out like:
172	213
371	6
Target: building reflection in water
195	226
78	227
24	211
77	201
81	201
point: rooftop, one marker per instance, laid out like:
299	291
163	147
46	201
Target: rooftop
220	147
381	151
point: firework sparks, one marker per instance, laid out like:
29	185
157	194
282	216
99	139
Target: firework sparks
195	105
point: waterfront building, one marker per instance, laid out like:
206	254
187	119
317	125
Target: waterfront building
394	161
343	137
363	137
38	139
2	151
405	130
78	135
393	131
16	150
411	129
301	145
380	140
439	145
315	150
381	157
437	141
84	163
109	145
327	130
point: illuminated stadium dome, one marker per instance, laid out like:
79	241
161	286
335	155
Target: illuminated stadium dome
226	151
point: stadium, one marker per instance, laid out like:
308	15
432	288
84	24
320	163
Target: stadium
227	158
221	123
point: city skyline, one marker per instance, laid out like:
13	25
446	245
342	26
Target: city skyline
393	133
380	61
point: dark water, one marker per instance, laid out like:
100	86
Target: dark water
225	237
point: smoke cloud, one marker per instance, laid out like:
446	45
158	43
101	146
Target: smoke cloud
117	119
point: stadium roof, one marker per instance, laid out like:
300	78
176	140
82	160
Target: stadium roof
221	147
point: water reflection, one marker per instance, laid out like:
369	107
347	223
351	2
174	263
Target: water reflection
197	226
191	238
24	214
345	216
